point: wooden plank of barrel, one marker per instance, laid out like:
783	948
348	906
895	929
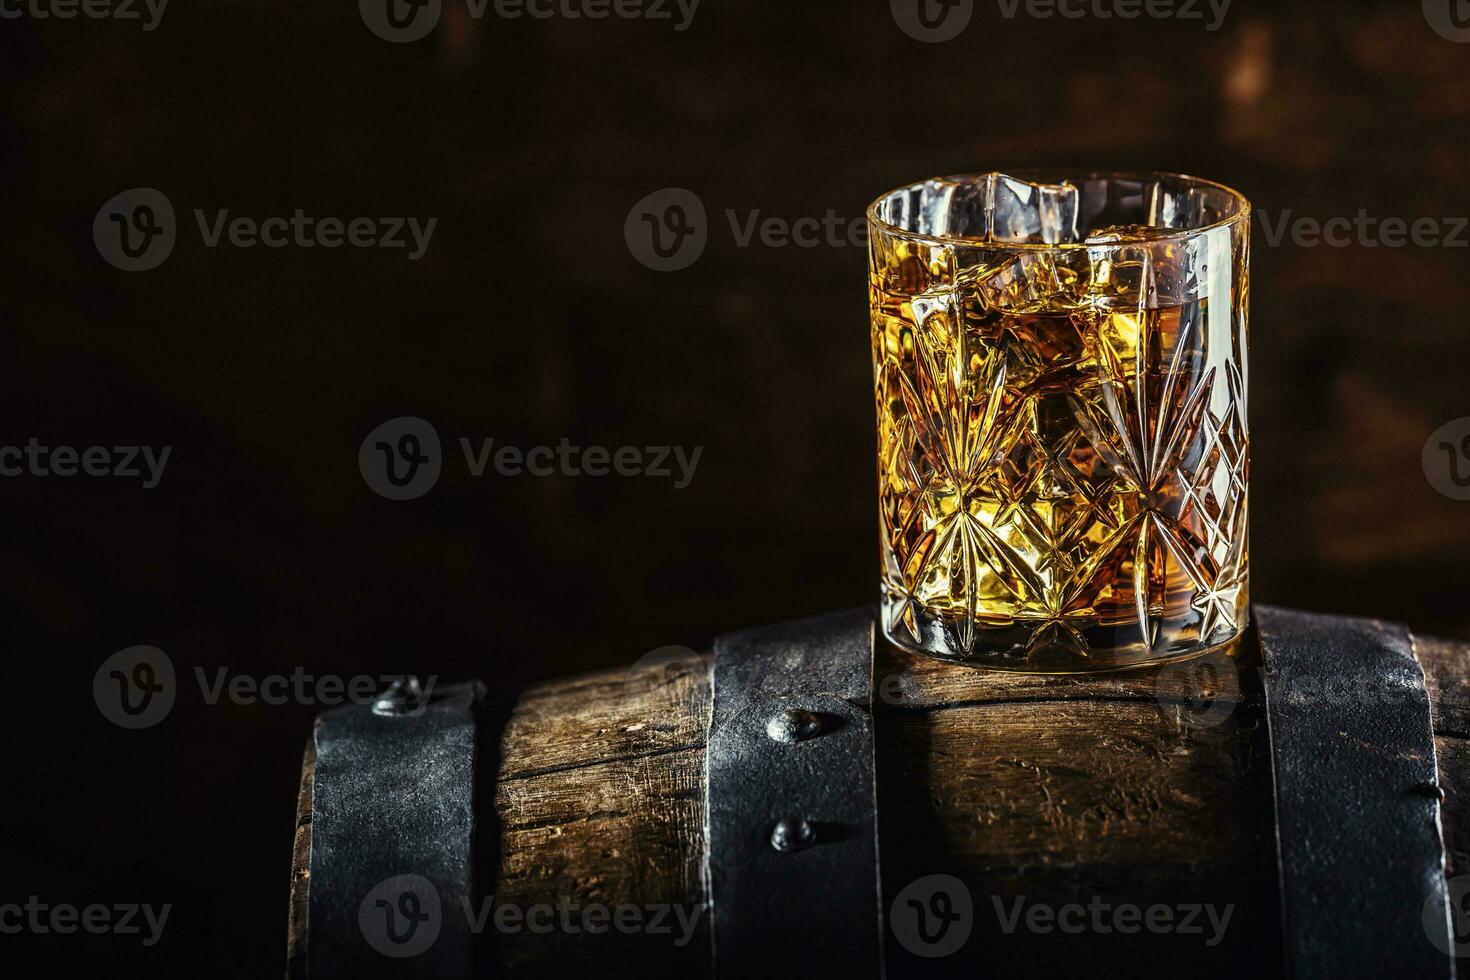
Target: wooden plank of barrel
1037	791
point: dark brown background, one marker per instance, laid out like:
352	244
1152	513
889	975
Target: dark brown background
263	550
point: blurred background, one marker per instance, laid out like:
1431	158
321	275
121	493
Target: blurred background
528	320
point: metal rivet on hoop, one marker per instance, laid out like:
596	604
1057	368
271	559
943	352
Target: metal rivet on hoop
794	725
792	834
404	696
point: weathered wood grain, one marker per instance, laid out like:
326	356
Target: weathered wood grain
301	868
1447	675
1141	786
621	714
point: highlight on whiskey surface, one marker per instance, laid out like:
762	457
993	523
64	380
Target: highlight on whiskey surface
688	489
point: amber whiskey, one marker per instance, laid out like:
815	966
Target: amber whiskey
1063	451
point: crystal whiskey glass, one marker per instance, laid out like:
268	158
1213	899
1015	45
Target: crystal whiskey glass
1060	371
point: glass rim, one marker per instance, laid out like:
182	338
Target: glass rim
1061	175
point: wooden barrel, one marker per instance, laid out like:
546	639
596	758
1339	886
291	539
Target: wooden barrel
1038	792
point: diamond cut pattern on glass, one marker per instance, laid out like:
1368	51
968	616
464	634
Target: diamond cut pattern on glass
1063	457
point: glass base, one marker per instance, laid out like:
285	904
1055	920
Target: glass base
1057	646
